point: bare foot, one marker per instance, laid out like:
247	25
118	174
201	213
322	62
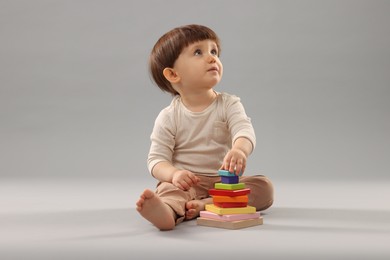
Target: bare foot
195	206
155	211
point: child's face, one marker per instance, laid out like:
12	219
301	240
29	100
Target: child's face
198	65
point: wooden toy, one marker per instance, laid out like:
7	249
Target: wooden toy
237	224
224	211
224	186
230	207
229	179
243	198
227	173
230	193
230	204
228	217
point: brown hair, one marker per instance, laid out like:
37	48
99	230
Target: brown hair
168	48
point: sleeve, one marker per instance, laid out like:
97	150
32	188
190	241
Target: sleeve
162	140
239	123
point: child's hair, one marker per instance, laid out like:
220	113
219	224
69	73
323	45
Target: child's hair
168	48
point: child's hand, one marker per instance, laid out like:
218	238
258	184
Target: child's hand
184	179
234	161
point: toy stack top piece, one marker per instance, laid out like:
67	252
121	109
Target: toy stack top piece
228	174
230	207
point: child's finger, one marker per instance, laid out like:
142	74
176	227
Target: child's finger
232	165
239	167
193	178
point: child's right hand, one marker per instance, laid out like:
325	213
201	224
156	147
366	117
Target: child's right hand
184	179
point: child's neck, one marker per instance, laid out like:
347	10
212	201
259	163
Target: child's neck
197	102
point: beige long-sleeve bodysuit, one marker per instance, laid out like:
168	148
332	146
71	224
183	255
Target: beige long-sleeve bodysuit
198	142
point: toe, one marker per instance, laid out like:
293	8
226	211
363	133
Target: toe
190	214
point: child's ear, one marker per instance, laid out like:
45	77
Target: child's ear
171	75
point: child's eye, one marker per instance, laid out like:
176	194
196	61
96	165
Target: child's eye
214	52
197	52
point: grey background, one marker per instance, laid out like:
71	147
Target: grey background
76	99
77	108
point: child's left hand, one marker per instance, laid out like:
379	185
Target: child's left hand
234	161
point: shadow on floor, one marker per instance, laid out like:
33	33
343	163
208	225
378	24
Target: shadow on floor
127	223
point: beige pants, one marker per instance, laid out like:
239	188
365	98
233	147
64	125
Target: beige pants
260	196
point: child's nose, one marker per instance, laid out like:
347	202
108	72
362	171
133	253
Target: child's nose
211	58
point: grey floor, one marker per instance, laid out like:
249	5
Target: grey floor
81	219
